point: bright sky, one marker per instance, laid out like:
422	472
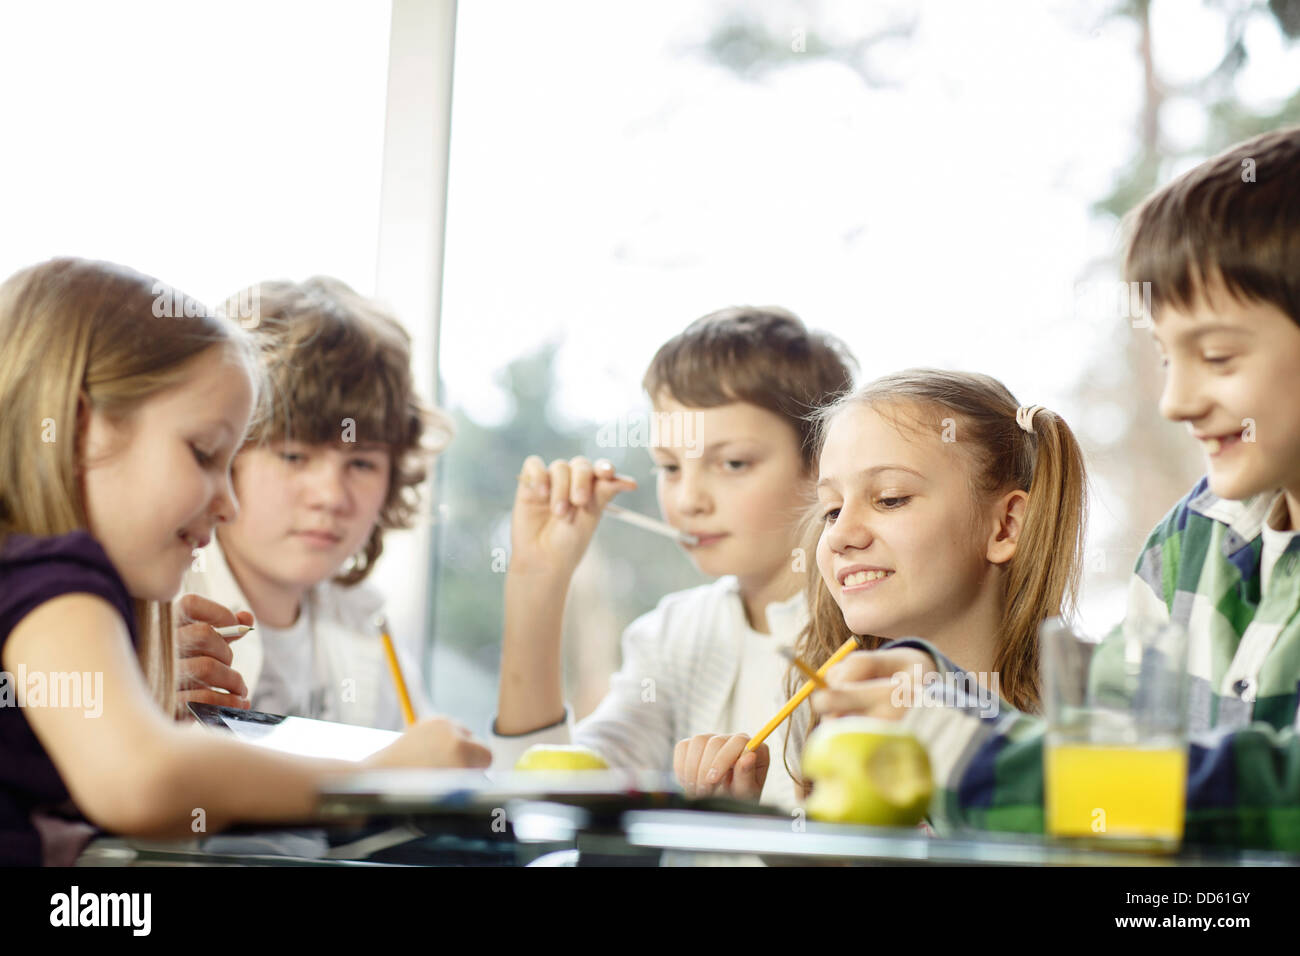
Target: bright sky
614	193
211	144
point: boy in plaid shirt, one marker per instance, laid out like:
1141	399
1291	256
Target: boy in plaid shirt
1221	249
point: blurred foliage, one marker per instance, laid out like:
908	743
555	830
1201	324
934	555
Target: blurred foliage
751	40
1287	14
626	570
1148	465
1230	120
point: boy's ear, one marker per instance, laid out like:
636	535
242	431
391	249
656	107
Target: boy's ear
1008	523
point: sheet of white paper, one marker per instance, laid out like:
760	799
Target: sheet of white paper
313	738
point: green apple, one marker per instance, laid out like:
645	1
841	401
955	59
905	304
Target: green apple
867	771
560	757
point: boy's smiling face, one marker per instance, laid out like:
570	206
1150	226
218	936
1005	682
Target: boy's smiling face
1232	369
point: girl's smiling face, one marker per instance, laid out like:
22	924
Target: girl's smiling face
156	484
904	547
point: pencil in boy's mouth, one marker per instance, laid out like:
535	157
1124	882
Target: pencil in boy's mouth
702	540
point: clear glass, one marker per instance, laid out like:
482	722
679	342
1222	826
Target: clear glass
1115	764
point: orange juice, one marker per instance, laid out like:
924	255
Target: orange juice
1115	791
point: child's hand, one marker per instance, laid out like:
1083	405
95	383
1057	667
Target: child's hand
556	512
436	742
873	683
708	763
203	671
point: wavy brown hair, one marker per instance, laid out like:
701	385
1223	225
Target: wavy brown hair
1042	579
74	331
334	356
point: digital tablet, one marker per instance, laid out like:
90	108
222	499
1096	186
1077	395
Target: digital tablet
295	735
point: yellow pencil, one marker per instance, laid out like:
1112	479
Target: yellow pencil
390	652
803	668
845	649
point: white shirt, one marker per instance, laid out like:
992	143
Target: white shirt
1275	542
759	693
339	672
288	654
681	663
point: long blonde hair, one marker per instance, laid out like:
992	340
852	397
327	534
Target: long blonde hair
73	331
1042	579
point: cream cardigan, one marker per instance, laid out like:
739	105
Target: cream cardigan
680	665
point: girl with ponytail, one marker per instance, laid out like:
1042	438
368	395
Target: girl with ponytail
948	514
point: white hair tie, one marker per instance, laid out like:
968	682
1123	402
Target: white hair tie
1025	416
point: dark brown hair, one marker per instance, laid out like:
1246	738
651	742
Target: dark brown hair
761	355
1234	217
338	360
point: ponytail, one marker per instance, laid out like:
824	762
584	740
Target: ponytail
1044	575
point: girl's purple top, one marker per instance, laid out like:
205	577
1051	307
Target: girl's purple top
35	811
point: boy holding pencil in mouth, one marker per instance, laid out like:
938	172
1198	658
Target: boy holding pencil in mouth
707	658
319	484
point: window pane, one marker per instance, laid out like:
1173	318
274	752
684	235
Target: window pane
211	144
937	186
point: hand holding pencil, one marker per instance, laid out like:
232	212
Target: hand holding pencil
205	671
737	763
707	764
792	704
873	683
556	511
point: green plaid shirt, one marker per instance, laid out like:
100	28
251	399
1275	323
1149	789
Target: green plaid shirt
1200	567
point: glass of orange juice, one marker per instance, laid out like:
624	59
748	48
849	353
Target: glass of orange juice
1115	760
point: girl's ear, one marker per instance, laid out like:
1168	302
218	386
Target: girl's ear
83	429
1008	523
83	411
